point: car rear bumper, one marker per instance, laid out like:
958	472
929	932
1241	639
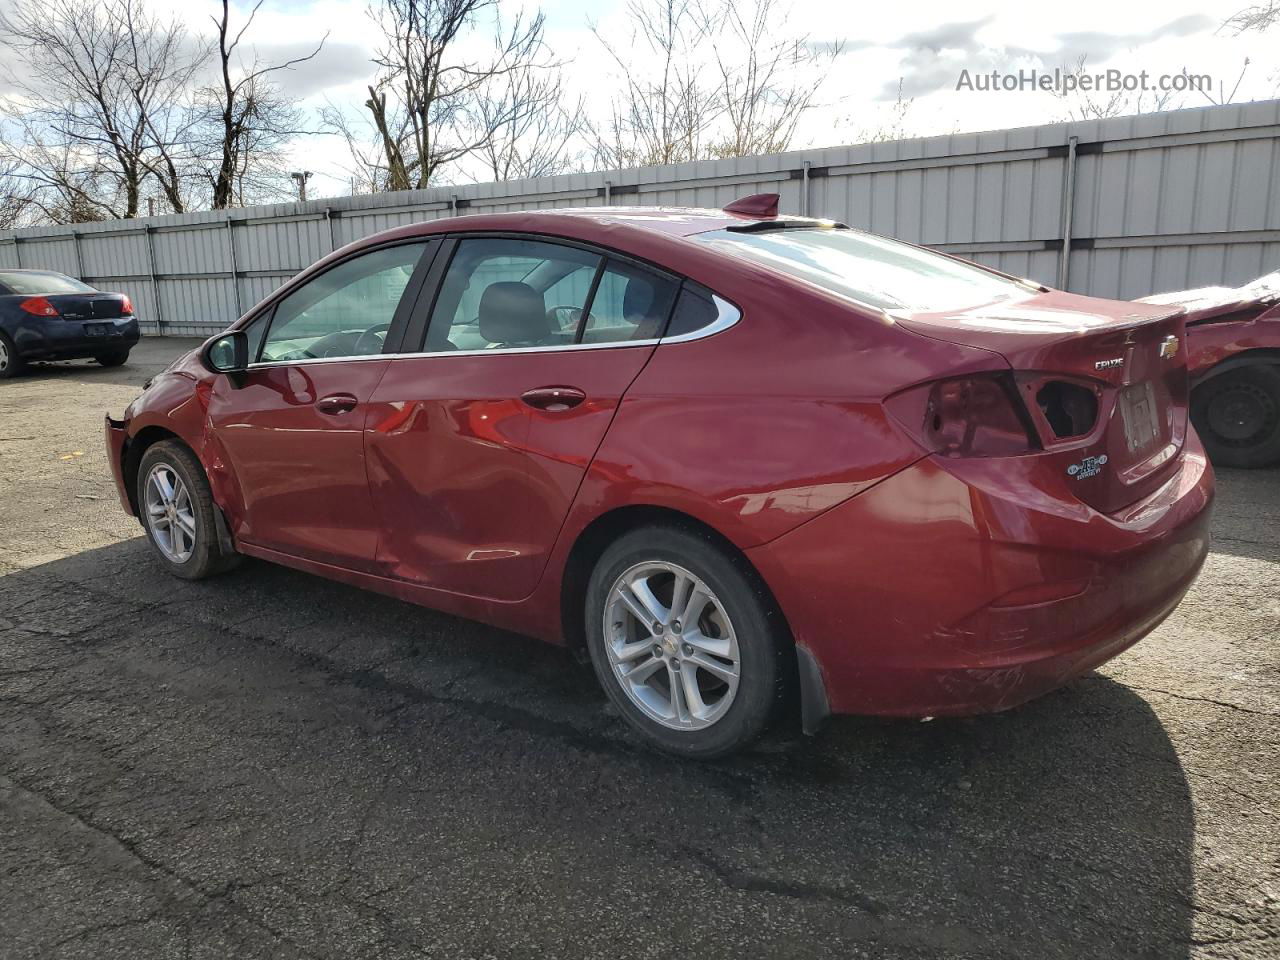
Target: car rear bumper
72	339
969	587
114	431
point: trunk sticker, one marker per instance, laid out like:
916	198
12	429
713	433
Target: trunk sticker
1088	467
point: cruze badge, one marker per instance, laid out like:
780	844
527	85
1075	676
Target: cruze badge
1088	467
1168	347
1108	364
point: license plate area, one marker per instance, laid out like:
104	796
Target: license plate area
97	329
1140	416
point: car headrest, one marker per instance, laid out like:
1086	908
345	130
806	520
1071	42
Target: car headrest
637	300
512	312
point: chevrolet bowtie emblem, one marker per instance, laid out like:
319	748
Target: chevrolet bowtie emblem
1169	347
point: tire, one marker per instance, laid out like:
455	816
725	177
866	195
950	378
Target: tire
738	629
203	555
1237	415
11	365
117	358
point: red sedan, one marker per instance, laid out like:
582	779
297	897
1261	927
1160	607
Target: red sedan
1233	338
753	464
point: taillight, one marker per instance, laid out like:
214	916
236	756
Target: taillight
39	307
126	305
975	416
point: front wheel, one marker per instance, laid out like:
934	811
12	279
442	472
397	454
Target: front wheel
178	512
685	643
11	365
116	358
1237	415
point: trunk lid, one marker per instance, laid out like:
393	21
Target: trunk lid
1220	303
1104	383
87	306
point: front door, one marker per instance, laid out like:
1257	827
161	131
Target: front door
476	448
292	432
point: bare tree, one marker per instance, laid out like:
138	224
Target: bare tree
367	168
767	78
523	122
103	107
424	103
1223	94
251	119
1261	16
1086	104
15	199
892	127
708	78
666	105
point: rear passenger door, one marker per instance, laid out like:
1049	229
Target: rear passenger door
477	447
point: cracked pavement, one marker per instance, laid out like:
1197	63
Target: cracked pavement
269	764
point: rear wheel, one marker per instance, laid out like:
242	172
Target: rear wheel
684	643
116	358
10	363
178	512
1238	416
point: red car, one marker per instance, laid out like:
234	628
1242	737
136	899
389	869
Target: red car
1233	335
753	464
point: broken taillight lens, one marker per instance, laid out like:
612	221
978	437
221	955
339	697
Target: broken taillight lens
39	307
974	416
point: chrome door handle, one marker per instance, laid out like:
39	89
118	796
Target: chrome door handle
336	403
553	399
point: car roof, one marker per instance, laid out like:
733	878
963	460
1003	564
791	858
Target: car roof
677	221
597	223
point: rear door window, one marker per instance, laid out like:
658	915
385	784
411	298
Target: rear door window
511	294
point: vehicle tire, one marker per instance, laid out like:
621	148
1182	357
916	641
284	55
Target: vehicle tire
728	669
1237	415
116	358
178	513
11	365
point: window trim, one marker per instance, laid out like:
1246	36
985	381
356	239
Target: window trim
604	253
418	321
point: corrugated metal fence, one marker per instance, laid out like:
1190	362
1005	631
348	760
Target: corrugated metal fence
1118	208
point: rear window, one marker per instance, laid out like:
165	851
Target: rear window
872	270
42	283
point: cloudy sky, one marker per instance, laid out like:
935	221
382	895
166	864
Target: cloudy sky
924	45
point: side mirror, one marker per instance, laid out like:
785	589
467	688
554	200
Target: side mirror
227	354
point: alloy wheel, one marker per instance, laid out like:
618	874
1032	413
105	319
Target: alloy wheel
671	645
4	357
170	514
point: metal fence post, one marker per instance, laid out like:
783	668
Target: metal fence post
235	268
328	218
75	241
155	284
804	189
17	251
608	188
1068	208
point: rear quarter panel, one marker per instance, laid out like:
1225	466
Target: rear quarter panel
1209	344
772	422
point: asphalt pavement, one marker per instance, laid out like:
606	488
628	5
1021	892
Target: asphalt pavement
271	765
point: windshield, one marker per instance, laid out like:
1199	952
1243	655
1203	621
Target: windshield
872	270
42	282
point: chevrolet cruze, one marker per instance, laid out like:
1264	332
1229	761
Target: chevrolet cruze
756	465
